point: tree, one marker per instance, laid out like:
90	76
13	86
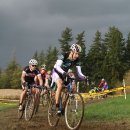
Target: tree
12	75
128	51
41	58
51	57
81	42
66	38
95	58
114	63
4	80
0	72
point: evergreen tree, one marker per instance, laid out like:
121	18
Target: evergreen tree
51	57
41	58
0	72
95	58
128	51
66	38
4	80
11	76
81	42
16	80
114	64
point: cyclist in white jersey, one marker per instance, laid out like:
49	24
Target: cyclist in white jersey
61	67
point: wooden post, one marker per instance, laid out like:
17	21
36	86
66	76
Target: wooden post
124	88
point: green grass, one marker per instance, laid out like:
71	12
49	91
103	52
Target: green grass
111	109
5	106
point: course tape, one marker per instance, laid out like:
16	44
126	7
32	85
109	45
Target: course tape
94	94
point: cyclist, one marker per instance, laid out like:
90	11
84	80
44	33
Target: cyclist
61	67
29	75
103	85
45	77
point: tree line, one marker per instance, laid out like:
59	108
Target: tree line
108	57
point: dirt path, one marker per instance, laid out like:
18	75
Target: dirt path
9	121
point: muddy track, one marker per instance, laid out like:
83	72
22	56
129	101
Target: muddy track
9	121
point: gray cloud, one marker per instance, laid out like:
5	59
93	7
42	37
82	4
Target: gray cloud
30	25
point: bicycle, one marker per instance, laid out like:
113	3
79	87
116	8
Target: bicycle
44	96
29	104
72	108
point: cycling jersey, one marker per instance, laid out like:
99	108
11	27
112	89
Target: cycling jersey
29	75
64	63
44	76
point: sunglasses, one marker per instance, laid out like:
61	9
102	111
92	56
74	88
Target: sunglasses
33	65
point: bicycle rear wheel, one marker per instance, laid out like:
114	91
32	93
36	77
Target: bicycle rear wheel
53	118
74	111
29	107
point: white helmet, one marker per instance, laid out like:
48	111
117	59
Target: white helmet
69	71
76	47
43	66
33	62
103	79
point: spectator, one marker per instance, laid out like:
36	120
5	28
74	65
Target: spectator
103	85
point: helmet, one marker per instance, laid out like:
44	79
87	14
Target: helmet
76	47
43	66
33	62
69	71
49	72
103	79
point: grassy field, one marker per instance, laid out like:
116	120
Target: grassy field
5	106
111	109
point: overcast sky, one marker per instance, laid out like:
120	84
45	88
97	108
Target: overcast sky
30	25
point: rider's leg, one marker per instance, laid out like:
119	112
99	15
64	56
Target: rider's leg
22	96
59	83
38	95
37	98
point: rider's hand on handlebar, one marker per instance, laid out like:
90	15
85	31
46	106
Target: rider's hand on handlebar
65	75
24	84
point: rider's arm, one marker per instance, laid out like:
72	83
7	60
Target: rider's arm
47	77
23	76
40	79
46	82
57	66
79	72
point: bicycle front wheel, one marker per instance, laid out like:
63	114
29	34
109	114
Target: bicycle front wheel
21	112
29	107
74	111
